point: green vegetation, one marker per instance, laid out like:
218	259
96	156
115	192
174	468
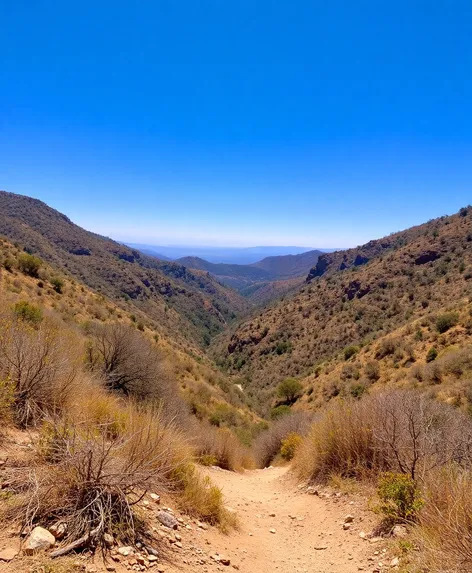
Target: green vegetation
400	500
446	321
29	265
289	390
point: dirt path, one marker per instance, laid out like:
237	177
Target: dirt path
284	528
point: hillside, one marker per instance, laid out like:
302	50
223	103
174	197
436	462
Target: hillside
186	305
289	266
236	276
263	281
352	297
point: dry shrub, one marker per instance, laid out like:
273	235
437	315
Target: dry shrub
400	431
220	447
38	368
267	445
91	483
130	365
445	532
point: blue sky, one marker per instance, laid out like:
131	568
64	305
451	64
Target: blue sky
238	122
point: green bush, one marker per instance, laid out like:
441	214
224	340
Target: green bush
446	321
28	312
29	264
432	354
290	445
57	284
279	412
400	500
350	351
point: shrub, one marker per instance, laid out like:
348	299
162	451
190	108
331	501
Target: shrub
57	284
290	445
39	366
268	443
28	312
280	411
386	347
289	390
372	371
220	447
91	483
350	351
29	264
446	321
432	354
399	431
400	500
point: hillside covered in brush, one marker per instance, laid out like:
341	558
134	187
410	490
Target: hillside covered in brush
187	305
351	298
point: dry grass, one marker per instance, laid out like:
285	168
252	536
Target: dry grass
220	447
445	532
401	431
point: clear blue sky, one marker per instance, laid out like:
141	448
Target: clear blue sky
238	122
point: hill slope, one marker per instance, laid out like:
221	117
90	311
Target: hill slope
184	304
353	296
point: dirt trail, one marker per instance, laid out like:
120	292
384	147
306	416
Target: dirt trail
286	529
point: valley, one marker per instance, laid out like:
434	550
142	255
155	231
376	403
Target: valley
199	377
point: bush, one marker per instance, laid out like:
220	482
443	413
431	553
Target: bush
39	366
268	444
289	390
372	371
446	321
400	500
280	411
91	483
350	351
289	446
29	265
57	284
28	312
432	354
400	431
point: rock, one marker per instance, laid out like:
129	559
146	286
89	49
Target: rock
362	535
109	540
201	525
125	551
156	498
273	531
395	562
39	540
349	519
8	554
346	526
225	561
320	547
167	520
58	530
271	514
152	558
178	544
399	531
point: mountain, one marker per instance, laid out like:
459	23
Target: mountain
187	305
289	266
231	255
351	298
262	281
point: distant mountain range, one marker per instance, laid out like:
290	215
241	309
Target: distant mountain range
248	279
230	255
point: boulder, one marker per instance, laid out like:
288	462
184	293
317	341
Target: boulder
39	540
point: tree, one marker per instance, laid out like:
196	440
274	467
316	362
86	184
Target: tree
289	390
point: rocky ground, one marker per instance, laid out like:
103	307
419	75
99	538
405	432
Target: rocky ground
282	527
